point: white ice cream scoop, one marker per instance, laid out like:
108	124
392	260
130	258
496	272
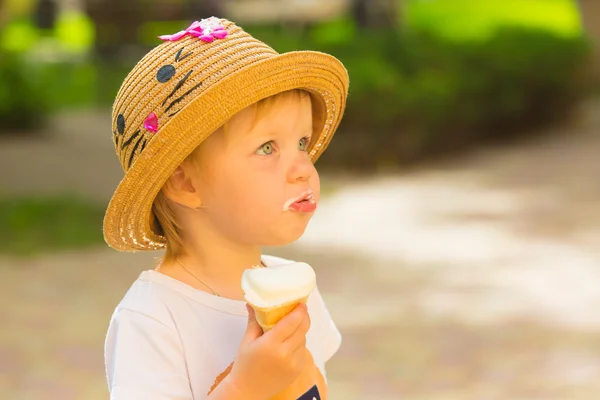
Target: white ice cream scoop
275	291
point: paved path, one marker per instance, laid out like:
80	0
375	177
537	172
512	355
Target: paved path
472	279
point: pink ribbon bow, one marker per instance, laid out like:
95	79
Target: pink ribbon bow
207	30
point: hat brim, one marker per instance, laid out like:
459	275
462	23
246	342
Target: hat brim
127	223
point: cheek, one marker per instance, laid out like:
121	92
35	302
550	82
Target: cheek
315	184
249	195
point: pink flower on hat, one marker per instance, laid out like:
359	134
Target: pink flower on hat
207	30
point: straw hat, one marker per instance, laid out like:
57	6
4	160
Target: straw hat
185	89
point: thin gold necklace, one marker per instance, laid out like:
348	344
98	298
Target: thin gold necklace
262	265
201	281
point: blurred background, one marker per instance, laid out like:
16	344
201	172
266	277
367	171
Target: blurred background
457	244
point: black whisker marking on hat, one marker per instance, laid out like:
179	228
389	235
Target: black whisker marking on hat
186	56
179	85
126	143
143	146
170	115
115	138
178	54
133	151
181	97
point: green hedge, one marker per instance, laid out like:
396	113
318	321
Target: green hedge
29	225
416	94
23	105
30	91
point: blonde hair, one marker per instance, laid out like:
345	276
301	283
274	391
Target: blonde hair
165	222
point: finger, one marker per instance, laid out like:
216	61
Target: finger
253	329
294	343
305	326
288	325
299	335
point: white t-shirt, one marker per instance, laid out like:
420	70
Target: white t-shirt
169	341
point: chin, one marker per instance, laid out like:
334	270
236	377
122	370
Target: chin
286	235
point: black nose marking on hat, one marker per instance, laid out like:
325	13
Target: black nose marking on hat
165	73
120	128
120	124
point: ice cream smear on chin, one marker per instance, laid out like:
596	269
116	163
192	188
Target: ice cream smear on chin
275	291
305	202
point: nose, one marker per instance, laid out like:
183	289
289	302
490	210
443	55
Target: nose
300	169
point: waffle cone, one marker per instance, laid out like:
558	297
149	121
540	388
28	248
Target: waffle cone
268	317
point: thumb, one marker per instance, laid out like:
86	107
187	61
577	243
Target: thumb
253	330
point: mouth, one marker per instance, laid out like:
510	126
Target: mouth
303	203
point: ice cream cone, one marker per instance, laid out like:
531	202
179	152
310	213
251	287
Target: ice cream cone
273	292
268	317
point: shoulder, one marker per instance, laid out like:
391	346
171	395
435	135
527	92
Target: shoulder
146	297
143	317
142	339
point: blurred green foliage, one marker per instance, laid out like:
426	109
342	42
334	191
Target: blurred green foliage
479	19
73	33
416	93
23	105
457	72
81	84
30	90
18	35
45	70
30	225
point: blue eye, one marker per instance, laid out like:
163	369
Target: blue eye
265	149
303	144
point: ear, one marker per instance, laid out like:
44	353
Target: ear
180	189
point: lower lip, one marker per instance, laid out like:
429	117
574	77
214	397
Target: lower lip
304	206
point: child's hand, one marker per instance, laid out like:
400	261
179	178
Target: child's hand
267	363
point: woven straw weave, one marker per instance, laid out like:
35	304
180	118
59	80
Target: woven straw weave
193	88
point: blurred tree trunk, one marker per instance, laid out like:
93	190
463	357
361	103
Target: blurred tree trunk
204	9
375	13
590	17
45	14
118	21
117	24
3	14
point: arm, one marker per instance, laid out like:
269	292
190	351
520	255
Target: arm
144	359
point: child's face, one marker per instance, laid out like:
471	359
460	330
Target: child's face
250	170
